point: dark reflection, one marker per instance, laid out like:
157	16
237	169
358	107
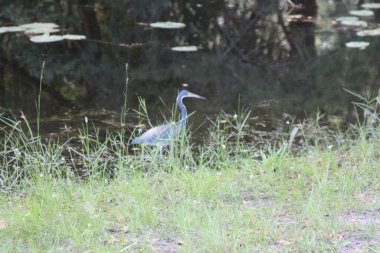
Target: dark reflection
269	57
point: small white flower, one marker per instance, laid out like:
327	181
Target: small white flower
41	174
330	147
235	116
85	119
287	122
223	146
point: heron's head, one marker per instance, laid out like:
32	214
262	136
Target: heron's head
188	94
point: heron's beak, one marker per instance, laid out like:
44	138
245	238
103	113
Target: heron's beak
192	95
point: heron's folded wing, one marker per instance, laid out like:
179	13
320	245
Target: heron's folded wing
157	135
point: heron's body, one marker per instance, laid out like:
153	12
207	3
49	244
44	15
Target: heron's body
157	135
161	135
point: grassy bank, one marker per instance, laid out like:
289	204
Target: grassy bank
225	195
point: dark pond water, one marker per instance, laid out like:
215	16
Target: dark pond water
282	61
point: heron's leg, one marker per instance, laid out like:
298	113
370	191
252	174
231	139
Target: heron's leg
161	155
142	154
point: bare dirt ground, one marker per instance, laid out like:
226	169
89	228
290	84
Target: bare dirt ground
364	235
361	233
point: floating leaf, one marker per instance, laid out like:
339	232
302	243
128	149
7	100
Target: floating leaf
41	30
74	37
32	28
37	25
46	38
15	29
362	13
185	49
371	32
371	6
168	25
354	23
10	29
347	18
357	44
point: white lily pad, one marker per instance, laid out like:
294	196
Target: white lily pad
357	44
354	23
15	29
168	25
362	13
74	37
371	6
37	25
10	29
185	49
347	18
46	38
41	30
370	32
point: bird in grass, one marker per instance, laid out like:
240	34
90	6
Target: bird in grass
161	135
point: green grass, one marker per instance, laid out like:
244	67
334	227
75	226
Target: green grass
223	196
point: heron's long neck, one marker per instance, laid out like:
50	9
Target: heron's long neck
183	112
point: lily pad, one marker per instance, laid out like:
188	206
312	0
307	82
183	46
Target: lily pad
370	32
74	37
185	49
357	44
10	29
38	25
168	25
362	13
41	30
371	6
354	23
347	18
46	38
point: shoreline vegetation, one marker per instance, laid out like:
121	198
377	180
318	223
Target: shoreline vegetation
313	190
231	183
318	192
